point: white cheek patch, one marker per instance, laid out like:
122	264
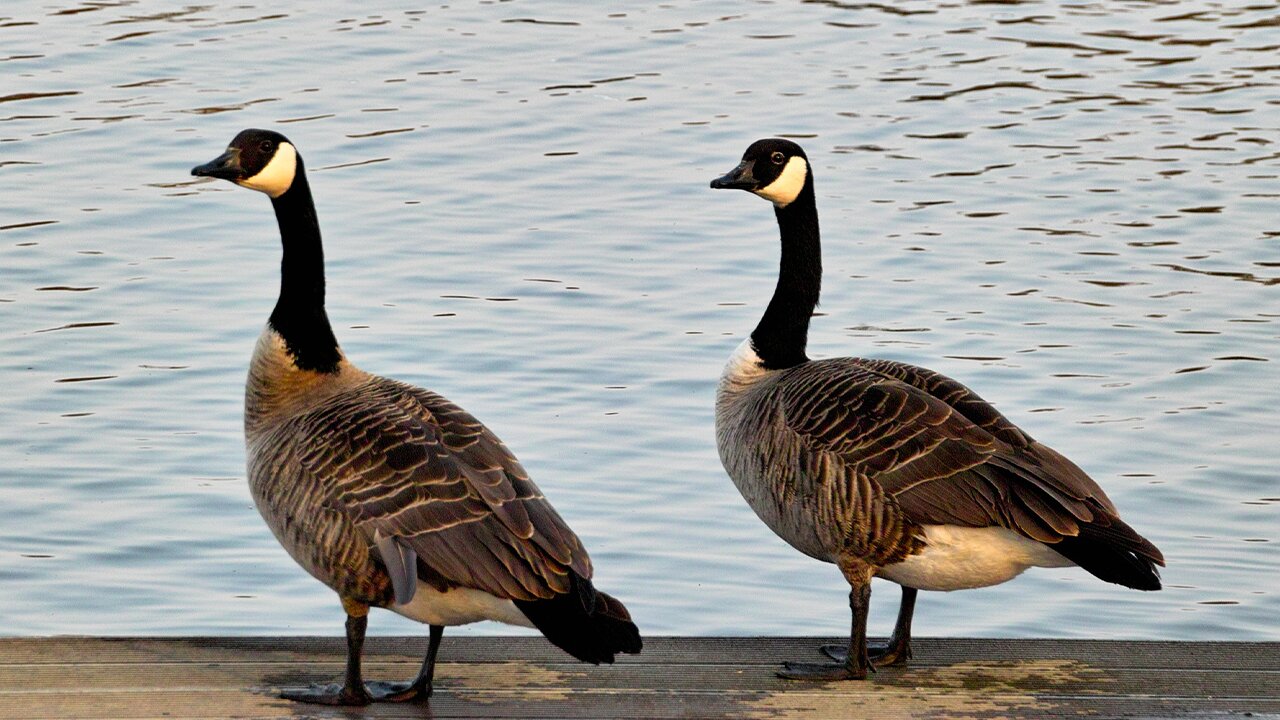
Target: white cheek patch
787	186
277	176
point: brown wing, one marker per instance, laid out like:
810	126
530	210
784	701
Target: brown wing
941	452
411	465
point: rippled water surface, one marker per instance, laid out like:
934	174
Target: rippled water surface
1071	207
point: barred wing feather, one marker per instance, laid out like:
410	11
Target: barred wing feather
943	454
413	466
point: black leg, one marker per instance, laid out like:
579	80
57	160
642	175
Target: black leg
420	688
895	652
428	672
856	664
898	649
352	691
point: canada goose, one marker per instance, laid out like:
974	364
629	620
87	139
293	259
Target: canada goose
887	469
389	494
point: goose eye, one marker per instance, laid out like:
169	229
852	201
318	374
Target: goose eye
265	146
777	158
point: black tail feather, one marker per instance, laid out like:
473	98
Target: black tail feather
1114	552
584	622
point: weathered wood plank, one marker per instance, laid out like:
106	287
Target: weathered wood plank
1060	677
199	704
767	651
142	678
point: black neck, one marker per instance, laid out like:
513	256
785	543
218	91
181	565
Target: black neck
779	340
299	313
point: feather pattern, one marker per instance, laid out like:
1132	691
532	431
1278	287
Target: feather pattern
364	458
876	449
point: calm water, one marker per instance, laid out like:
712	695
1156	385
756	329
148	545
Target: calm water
1070	207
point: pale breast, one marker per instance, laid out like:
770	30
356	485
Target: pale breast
276	389
283	406
762	459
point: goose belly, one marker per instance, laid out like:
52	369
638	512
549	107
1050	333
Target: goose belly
961	558
790	518
320	538
459	606
790	515
798	528
333	554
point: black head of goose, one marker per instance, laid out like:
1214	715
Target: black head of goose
887	469
390	494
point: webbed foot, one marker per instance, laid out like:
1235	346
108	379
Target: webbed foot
888	654
821	671
330	694
383	691
373	691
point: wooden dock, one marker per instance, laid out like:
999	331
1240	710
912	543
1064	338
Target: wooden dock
525	677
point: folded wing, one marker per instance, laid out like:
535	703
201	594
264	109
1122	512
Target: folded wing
417	472
947	457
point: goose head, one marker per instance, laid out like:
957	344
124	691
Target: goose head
775	169
260	160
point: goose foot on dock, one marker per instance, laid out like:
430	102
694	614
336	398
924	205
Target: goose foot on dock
822	671
894	653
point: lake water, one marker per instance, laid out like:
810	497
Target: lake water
1070	207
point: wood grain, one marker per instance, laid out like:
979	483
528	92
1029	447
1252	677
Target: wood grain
525	677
